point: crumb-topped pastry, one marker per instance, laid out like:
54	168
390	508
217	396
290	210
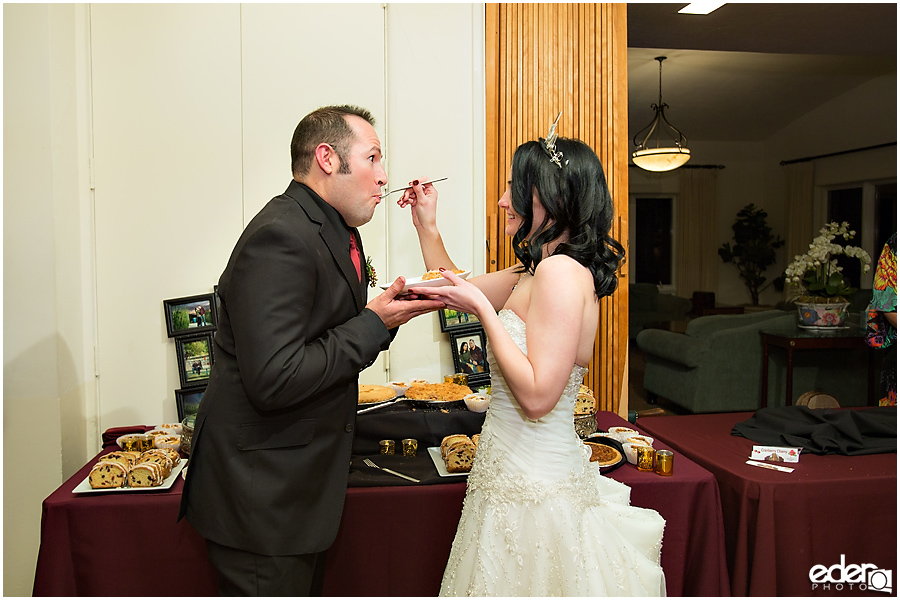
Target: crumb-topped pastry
441	392
436	274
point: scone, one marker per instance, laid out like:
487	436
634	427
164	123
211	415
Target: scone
160	457
126	459
449	441
585	403
173	455
460	456
145	474
108	474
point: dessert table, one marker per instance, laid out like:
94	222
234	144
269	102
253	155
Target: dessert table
780	525
394	537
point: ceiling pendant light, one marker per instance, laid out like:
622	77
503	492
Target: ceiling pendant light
658	157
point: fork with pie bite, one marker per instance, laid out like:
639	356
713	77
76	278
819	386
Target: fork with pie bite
371	464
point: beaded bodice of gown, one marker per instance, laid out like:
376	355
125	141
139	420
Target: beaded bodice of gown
545	449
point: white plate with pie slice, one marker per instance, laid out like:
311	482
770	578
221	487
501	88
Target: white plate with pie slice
418	282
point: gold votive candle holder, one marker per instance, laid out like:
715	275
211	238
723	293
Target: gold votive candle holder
409	447
665	463
461	379
645	456
386	446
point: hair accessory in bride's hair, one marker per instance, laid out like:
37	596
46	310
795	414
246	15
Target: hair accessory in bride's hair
549	144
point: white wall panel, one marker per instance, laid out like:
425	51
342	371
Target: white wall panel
296	58
435	129
31	408
167	147
194	109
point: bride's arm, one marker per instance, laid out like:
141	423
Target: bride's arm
554	323
422	199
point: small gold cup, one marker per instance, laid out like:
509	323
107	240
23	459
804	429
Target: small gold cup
645	456
138	442
130	444
461	379
409	447
387	446
448	378
146	442
665	463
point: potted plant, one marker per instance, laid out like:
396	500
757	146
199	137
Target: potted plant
754	249
821	287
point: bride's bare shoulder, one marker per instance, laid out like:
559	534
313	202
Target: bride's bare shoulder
561	266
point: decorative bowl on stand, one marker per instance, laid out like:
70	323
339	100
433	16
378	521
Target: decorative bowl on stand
824	316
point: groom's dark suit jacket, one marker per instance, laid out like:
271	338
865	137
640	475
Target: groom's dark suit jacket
271	448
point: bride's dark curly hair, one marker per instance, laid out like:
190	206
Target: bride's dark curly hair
577	201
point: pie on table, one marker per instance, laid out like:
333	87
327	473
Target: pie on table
604	455
375	393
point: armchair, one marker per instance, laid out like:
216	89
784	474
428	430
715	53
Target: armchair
646	305
716	365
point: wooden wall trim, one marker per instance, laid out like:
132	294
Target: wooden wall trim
541	59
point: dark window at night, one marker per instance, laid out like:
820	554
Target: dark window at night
652	260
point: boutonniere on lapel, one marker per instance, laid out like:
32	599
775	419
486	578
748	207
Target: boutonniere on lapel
370	272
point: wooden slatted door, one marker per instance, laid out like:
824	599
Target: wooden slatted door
541	59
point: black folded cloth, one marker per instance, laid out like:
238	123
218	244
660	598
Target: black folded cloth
824	430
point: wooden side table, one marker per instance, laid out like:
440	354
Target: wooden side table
803	339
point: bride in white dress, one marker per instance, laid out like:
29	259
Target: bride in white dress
538	518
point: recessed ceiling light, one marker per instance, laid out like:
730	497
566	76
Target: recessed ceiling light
700	8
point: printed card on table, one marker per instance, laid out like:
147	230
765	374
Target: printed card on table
775	454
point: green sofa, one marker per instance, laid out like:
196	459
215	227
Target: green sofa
646	306
716	365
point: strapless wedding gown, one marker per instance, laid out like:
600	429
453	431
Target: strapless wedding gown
538	518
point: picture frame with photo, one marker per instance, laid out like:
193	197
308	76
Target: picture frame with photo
191	314
187	401
454	320
470	356
195	359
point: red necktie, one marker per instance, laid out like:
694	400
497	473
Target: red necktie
355	257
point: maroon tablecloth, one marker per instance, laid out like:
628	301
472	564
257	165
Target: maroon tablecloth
393	540
780	525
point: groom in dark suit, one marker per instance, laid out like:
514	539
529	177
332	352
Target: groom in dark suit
271	448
